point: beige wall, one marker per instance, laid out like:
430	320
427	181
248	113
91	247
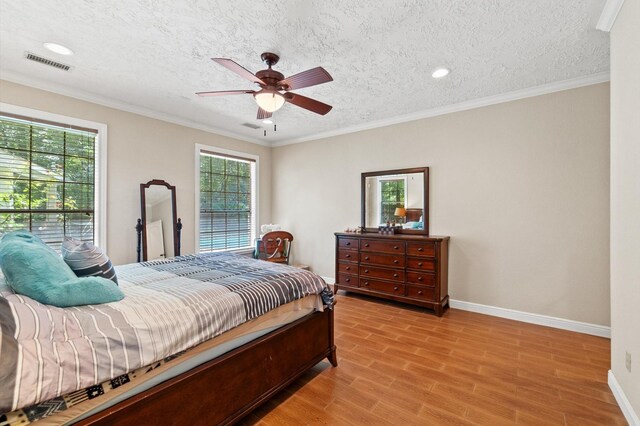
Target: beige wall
521	187
625	200
141	149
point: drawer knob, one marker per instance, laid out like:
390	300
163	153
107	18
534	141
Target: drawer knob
348	279
366	244
347	256
348	243
420	292
366	283
366	271
395	288
419	263
396	261
348	268
419	278
366	258
395	275
420	249
396	247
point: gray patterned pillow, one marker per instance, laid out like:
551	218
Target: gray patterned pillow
87	260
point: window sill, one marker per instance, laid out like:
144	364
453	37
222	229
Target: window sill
244	250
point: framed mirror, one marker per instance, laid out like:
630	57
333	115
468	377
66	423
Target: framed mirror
396	196
159	227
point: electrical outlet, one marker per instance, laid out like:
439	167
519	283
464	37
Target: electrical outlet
627	361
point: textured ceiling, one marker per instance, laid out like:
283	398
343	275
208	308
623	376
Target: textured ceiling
154	55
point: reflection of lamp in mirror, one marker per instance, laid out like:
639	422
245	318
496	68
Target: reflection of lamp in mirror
400	212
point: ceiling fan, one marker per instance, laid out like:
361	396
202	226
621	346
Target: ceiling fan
272	83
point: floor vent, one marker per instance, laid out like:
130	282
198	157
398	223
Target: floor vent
251	125
46	61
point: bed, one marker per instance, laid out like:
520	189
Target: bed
198	339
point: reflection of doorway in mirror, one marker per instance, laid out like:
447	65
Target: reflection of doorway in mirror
159	207
155	241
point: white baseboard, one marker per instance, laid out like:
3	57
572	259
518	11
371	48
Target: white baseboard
561	323
564	324
622	400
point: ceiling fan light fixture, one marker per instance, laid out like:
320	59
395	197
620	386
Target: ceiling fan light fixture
269	100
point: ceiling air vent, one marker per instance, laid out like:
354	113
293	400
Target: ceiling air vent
46	61
250	125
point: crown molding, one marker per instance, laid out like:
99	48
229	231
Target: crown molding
609	15
462	106
433	112
123	106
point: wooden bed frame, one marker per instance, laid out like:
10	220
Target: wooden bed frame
229	387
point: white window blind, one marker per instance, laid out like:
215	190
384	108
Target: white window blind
47	179
227	202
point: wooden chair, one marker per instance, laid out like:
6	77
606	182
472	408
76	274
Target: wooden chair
275	247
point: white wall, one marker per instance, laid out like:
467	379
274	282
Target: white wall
625	200
141	149
521	187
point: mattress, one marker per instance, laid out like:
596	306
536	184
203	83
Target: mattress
170	306
82	404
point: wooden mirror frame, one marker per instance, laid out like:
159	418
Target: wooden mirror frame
425	197
142	223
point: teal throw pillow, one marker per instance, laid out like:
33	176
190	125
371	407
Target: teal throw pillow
35	270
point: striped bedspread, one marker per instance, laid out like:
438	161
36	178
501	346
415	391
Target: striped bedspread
170	305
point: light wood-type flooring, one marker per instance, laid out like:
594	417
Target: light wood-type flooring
401	365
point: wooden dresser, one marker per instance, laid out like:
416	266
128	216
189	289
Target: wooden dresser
406	268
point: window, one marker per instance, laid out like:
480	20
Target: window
48	178
227	200
392	194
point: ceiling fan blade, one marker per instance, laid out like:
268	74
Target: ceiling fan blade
307	103
307	78
262	114
224	92
238	69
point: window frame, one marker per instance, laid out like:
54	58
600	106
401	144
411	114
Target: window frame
100	186
255	187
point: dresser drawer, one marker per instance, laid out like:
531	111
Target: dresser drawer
383	259
396	247
421	278
347	268
347	255
347	243
382	286
421	264
423	293
347	280
426	249
382	273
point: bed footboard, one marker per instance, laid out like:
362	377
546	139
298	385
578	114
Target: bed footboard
227	388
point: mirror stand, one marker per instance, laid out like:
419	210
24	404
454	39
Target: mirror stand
159	229
139	246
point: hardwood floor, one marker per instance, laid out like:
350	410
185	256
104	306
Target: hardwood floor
414	368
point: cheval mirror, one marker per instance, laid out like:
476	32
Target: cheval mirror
397	196
159	228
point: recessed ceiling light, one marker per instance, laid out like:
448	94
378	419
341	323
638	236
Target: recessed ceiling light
440	72
267	121
58	48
